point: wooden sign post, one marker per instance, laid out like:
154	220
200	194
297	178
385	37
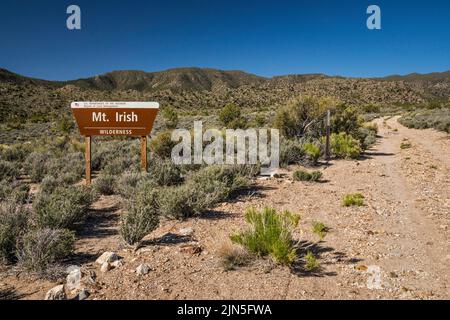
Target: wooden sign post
115	119
327	141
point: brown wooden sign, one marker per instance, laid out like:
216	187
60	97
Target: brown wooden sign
115	118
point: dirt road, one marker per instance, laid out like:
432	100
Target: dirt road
395	246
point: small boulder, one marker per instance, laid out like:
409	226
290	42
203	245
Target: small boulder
117	264
71	268
105	267
143	269
73	279
107	256
56	293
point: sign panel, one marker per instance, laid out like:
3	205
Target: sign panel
115	118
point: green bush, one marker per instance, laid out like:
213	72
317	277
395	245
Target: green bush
170	117
105	184
301	175
36	166
270	233
13	223
230	116
311	261
319	228
405	145
353	199
16	152
312	151
291	152
422	119
161	145
301	117
64	208
142	216
204	189
8	171
345	119
40	248
344	146
165	173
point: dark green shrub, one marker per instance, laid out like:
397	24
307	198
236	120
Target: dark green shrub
291	152
16	152
161	145
311	262
319	228
8	171
142	216
13	223
301	175
40	248
164	172
345	119
64	208
269	233
231	117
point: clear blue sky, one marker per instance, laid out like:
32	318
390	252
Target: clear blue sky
262	37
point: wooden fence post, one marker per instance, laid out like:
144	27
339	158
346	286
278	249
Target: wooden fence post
327	145
88	159
144	153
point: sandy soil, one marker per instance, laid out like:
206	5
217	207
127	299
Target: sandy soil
397	246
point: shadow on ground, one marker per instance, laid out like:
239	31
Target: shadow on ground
319	250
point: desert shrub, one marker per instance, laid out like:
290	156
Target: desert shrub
161	145
301	175
270	233
105	184
164	172
353	199
142	216
50	183
5	190
15	153
291	152
312	151
203	190
64	208
8	171
366	136
311	262
405	145
230	116
118	155
301	117
40	248
344	146
170	117
371	108
36	165
422	119
127	183
232	256
13	223
319	228
345	119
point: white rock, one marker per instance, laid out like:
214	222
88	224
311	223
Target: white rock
117	264
73	279
374	280
82	295
143	269
72	268
105	267
107	256
186	232
56	293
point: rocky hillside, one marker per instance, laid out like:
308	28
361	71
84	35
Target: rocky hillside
23	98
